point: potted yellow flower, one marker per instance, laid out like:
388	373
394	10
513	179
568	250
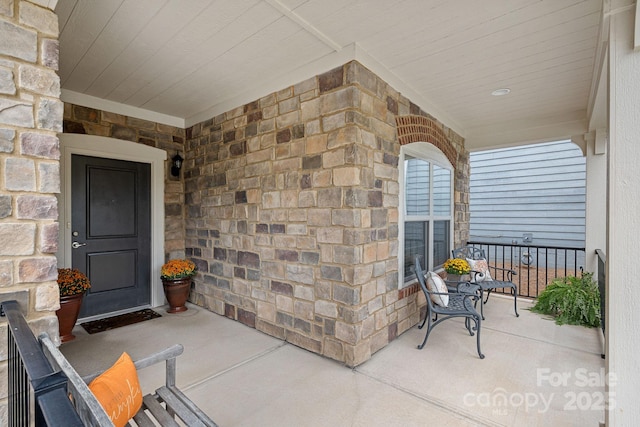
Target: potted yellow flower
457	269
72	284
176	277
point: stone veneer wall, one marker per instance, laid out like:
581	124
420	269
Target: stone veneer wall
90	121
292	213
30	117
462	214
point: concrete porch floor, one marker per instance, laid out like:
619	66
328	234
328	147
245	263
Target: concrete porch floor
535	373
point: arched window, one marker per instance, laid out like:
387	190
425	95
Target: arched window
426	197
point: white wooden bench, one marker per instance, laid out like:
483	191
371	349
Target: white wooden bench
160	408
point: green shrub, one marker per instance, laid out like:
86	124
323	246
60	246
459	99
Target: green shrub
571	300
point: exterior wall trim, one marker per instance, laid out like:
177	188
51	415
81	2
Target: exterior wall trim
100	146
426	150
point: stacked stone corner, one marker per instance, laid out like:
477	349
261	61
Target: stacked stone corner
30	117
292	212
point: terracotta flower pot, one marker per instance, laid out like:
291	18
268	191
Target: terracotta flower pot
177	292
68	315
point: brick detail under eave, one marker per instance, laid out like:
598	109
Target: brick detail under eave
414	128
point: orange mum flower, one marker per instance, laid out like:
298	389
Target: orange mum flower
72	282
178	269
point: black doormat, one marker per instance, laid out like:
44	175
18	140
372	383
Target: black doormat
101	325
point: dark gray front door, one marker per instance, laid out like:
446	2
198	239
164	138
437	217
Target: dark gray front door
111	232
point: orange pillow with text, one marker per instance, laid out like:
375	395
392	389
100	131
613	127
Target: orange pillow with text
118	391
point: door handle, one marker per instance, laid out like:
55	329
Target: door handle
76	245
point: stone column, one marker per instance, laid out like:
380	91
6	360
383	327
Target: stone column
30	117
292	213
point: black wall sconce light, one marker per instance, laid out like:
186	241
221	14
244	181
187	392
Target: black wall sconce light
176	164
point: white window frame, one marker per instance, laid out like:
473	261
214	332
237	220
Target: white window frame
430	153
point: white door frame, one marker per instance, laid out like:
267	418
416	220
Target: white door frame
111	148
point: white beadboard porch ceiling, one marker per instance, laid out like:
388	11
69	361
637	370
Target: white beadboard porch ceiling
180	62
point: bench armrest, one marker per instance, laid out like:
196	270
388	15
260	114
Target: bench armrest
88	408
167	355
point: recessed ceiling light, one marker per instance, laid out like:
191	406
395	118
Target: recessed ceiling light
501	92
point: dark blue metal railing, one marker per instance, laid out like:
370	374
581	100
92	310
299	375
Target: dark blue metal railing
535	266
37	395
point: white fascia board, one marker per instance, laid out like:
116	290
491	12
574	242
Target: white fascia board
317	67
496	137
49	4
118	108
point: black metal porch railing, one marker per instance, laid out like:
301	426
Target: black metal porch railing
602	259
37	395
535	266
